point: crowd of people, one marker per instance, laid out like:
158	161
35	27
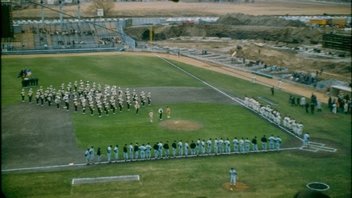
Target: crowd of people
275	116
165	150
342	104
83	96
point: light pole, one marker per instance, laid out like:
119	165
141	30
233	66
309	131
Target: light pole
78	11
42	11
61	4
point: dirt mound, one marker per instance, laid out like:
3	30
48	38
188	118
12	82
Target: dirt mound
181	125
242	19
238	188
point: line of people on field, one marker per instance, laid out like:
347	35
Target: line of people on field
274	116
89	96
161	150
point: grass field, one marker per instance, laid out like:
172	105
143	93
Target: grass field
279	174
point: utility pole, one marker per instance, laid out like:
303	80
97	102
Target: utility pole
78	12
61	15
42	11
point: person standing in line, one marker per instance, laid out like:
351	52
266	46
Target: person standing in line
156	150
198	143
160	149
99	154
271	142
241	143
108	152
235	145
202	145
142	151
86	156
91	154
220	145
174	148
75	104
125	153
37	97
180	148
116	152
193	147
166	148
278	142
247	144
216	148
168	112
160	111
136	150
30	95
186	149
209	141
148	152
264	143
233	178
254	143
130	147
227	146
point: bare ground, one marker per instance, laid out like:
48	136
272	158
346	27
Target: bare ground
37	136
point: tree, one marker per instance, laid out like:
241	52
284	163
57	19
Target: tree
106	5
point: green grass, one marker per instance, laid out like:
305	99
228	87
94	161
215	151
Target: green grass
267	175
129	127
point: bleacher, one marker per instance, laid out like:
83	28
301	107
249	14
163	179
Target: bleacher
88	34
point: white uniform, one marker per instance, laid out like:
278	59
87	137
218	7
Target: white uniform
116	152
233	176
235	145
108	151
306	138
180	148
209	146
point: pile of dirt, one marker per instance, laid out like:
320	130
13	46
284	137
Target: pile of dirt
181	125
293	35
242	19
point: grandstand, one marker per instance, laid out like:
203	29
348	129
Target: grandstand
71	35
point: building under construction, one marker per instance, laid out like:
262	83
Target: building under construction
337	41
